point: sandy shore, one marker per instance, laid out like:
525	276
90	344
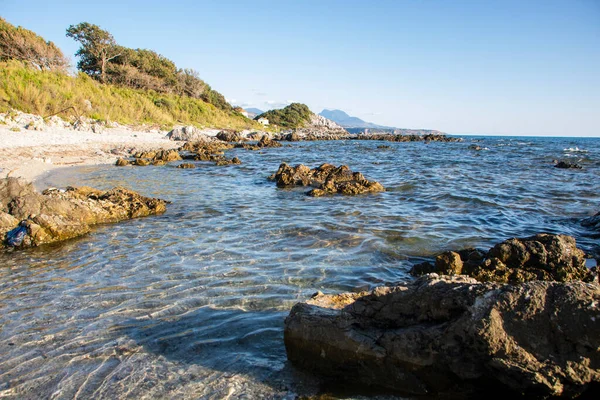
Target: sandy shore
31	154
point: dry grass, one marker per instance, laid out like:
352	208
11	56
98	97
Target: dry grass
46	93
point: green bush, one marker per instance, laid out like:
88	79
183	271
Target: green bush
296	115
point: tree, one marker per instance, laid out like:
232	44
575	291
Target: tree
98	47
17	43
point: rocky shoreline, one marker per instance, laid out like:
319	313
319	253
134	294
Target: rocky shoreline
537	336
521	317
29	218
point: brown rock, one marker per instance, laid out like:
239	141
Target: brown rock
544	257
537	338
327	177
57	215
449	263
186	166
121	162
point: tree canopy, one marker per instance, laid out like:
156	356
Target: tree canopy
296	115
103	59
17	43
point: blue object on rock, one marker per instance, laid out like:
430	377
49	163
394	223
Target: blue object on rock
15	237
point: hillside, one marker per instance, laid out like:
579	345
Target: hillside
50	92
294	116
347	121
116	83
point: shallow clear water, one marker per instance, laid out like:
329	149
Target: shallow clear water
191	304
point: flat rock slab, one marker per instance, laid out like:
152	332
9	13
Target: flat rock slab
536	338
57	215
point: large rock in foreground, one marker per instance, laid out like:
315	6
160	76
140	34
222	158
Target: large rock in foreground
546	257
537	338
57	215
328	178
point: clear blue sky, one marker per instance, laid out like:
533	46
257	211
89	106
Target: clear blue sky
521	67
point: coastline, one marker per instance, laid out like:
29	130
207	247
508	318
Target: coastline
32	154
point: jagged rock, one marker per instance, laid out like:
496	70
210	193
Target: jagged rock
545	257
329	178
475	147
407	137
592	222
537	338
57	215
186	166
224	161
188	133
141	162
121	162
229	136
567	165
266	141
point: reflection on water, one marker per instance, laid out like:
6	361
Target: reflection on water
191	304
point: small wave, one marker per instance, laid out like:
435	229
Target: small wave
575	150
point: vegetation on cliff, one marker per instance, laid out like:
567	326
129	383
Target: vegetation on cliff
130	86
51	92
103	59
22	44
296	115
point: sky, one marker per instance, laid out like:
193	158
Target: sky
463	67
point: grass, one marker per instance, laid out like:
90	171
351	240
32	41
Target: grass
46	93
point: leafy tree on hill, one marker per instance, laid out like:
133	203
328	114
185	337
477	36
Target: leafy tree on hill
102	58
98	47
296	115
20	44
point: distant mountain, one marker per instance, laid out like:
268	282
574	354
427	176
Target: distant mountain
347	121
254	111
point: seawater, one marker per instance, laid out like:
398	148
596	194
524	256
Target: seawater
191	304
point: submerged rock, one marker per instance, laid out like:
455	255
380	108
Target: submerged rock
225	161
57	215
567	165
329	179
592	222
536	338
545	257
186	166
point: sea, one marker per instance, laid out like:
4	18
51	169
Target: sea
191	304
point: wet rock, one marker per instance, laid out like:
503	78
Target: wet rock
567	165
57	215
384	147
545	257
141	162
121	162
186	166
449	263
329	179
224	161
539	339
266	141
475	147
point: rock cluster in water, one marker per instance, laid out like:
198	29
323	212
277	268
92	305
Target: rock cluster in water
329	179
142	159
57	215
543	257
440	332
567	165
